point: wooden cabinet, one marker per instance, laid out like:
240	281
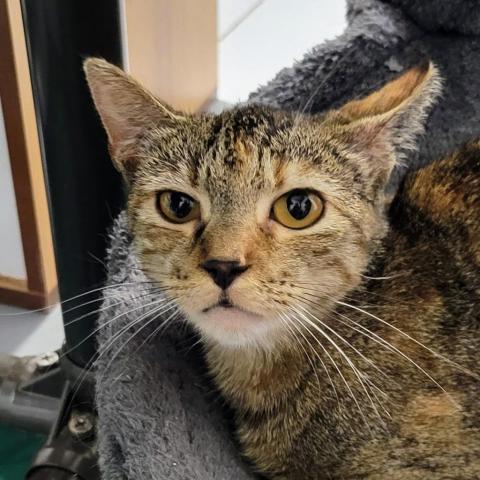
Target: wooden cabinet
171	47
39	286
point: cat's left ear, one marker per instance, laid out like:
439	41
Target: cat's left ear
383	126
125	107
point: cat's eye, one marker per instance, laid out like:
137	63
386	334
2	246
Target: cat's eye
298	209
177	207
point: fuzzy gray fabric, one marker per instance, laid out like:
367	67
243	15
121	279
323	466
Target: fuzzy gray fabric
158	416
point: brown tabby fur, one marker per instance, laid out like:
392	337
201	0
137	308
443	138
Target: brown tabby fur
363	360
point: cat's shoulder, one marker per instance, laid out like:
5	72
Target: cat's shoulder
448	190
463	164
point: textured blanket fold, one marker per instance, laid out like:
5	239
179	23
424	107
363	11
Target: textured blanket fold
158	416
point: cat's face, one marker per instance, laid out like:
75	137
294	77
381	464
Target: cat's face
254	216
251	187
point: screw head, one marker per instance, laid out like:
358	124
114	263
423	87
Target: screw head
81	424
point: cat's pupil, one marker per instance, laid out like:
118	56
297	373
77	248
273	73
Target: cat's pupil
299	204
180	204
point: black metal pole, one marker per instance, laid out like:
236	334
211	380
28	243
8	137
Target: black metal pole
85	191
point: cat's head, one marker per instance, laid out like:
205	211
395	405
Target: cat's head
253	216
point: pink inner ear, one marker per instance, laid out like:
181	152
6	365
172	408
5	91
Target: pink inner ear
371	149
369	138
125	107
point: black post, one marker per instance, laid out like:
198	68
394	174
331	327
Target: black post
85	191
85	194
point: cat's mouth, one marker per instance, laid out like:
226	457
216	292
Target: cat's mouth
224	302
231	323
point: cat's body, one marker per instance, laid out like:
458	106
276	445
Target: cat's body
348	349
290	421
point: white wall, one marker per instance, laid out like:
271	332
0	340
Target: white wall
12	262
21	332
230	13
272	35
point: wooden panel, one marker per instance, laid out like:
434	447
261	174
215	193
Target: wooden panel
172	49
24	148
14	291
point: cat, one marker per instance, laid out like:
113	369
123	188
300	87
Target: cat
341	325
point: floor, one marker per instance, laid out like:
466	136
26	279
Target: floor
256	39
17	450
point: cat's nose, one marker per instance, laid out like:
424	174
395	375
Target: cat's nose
224	272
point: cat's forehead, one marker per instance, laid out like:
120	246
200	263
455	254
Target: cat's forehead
246	150
239	144
229	137
242	152
252	120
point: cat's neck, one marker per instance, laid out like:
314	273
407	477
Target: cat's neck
254	376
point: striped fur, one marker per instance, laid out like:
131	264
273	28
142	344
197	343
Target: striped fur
357	358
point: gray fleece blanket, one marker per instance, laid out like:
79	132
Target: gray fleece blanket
159	417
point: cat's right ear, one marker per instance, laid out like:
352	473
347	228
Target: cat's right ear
125	107
381	128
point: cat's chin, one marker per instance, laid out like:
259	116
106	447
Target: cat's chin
234	327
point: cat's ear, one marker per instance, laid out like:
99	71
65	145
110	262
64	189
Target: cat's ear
383	126
125	107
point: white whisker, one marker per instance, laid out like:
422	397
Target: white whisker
108	323
151	335
289	323
346	357
89	292
93	361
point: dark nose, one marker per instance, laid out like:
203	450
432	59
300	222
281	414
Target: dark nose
223	272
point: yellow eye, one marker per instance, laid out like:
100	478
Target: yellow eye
298	209
177	207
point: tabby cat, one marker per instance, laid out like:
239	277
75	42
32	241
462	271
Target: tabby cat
341	325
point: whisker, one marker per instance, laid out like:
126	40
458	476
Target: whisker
159	306
284	320
94	360
88	292
396	301
192	346
406	335
366	378
357	372
319	358
87	370
401	332
369	361
344	356
155	332
374	387
389	277
306	105
163	309
108	323
102	309
378	339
